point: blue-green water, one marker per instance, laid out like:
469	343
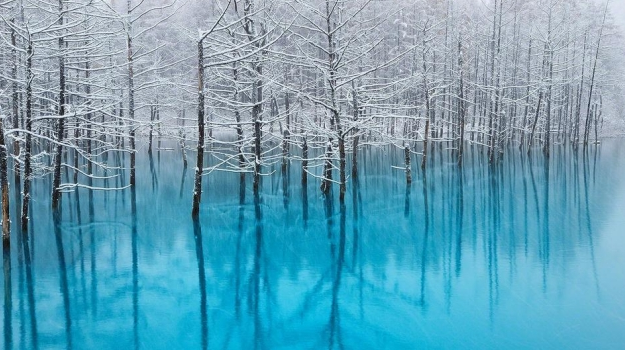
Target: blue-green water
527	255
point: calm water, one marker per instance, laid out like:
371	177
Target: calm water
524	255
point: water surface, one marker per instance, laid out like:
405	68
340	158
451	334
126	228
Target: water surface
526	254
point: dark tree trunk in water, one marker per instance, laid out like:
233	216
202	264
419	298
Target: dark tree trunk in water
531	140
4	185
285	150
342	175
197	191
256	117
326	183
356	137
408	164
305	163
425	144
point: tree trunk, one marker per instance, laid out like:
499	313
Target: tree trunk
197	191
56	182
28	142
131	97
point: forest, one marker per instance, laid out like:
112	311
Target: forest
87	85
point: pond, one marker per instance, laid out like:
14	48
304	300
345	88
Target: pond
526	254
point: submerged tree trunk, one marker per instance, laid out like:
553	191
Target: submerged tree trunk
407	160
425	145
356	136
342	175
304	162
326	183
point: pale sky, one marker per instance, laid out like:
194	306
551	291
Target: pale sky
618	10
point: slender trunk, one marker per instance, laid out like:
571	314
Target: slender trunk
592	78
407	161
304	162
527	95
356	136
531	139
342	175
425	144
461	105
56	182
580	95
28	142
197	191
15	96
326	183
4	185
131	96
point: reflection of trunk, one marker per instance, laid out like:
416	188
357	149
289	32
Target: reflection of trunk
30	289
199	252
8	295
591	244
460	222
93	264
256	280
135	269
153	172
238	257
545	251
339	258
58	234
426	233
182	181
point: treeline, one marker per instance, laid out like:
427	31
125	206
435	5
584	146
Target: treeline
291	81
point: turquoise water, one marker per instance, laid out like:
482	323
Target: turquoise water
525	255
